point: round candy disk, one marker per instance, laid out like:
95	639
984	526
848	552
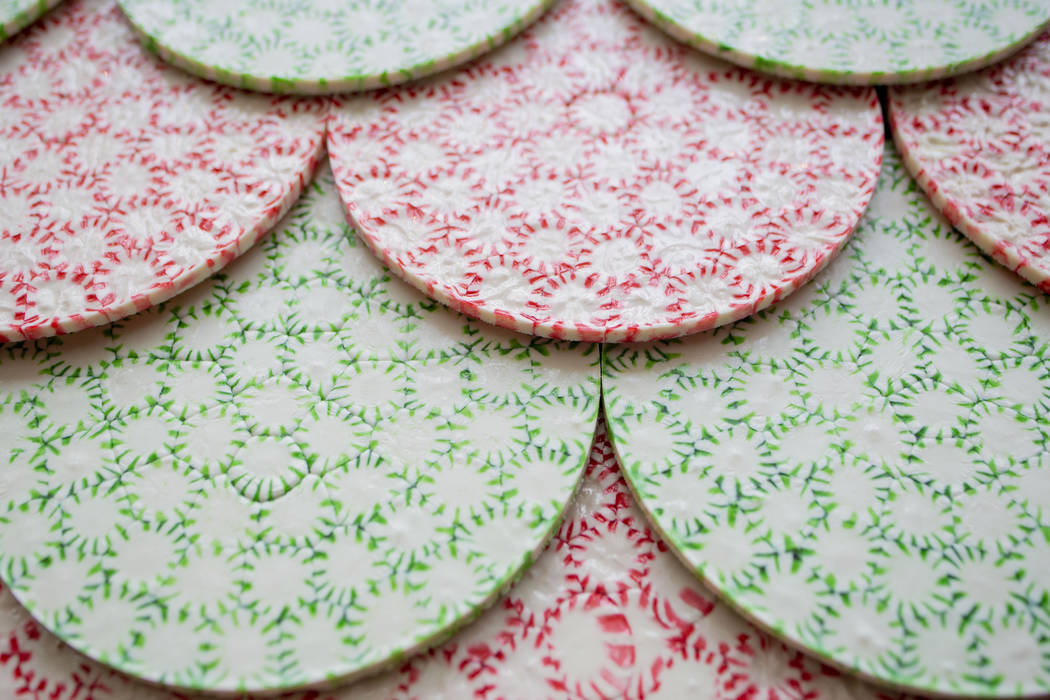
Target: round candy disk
605	608
298	472
863	469
980	147
123	181
15	15
596	180
325	46
860	42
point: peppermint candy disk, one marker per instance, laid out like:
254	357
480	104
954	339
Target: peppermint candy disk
863	469
594	180
298	472
15	15
606	607
868	42
325	46
978	145
122	181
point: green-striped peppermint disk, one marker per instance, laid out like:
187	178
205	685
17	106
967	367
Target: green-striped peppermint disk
863	468
300	471
864	42
325	46
16	15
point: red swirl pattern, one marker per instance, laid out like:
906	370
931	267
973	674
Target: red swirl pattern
595	180
123	181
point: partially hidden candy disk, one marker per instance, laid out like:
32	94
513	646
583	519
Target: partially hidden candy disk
978	145
325	46
863	468
866	42
16	15
123	181
596	180
605	607
299	472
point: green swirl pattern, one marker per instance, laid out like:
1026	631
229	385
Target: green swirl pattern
863	42
16	15
325	46
297	472
863	468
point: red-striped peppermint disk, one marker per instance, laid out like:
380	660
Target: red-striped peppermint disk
595	180
980	147
123	181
